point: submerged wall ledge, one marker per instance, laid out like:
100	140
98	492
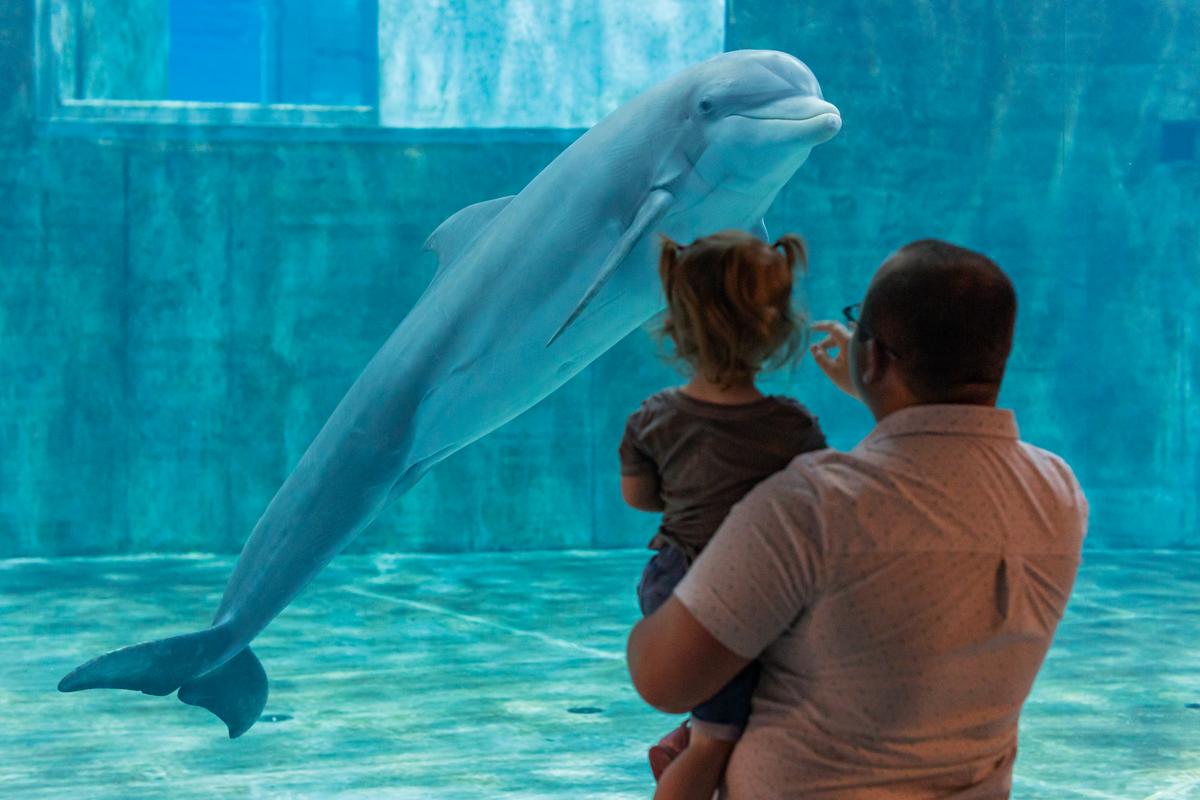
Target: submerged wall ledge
215	129
185	112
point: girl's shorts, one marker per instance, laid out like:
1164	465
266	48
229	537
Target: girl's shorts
724	715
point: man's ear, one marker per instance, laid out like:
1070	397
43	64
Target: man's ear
876	362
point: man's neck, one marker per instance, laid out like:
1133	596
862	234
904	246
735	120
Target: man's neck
886	406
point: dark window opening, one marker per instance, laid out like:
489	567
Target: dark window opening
308	52
1179	140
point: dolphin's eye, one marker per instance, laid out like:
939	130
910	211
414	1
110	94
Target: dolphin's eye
705	106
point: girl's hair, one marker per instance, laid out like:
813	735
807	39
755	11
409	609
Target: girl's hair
729	309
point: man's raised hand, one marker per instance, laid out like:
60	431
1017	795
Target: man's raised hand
836	366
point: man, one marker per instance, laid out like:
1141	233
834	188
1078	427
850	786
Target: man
900	597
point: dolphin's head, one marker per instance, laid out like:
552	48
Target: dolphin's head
758	114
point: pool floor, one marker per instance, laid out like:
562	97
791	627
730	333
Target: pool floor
502	676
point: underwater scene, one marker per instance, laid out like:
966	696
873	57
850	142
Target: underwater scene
600	399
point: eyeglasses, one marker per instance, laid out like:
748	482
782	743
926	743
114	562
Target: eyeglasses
851	313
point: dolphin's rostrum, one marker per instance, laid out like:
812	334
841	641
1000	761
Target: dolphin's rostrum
529	290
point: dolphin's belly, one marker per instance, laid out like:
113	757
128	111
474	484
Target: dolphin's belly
494	364
499	366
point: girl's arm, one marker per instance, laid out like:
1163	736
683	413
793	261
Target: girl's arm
642	491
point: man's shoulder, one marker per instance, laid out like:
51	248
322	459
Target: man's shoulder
1054	466
828	466
1047	457
1060	480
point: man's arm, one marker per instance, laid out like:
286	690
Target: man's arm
749	584
675	663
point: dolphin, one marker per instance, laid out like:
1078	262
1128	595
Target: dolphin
529	290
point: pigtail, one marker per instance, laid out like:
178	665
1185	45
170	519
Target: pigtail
794	250
796	319
671	253
668	264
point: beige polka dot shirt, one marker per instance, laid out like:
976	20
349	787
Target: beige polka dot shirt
901	598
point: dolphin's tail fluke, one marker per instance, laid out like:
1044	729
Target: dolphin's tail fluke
235	691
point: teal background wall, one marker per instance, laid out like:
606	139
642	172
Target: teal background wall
181	310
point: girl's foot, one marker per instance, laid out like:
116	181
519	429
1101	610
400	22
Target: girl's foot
668	749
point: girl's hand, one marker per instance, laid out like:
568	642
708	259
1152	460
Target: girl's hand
835	367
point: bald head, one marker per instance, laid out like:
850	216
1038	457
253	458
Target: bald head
948	314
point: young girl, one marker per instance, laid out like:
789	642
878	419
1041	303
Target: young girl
693	451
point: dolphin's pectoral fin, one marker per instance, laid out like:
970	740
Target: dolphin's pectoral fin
461	228
236	692
760	230
413	474
650	212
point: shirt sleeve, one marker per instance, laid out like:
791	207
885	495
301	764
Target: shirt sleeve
814	438
759	572
636	458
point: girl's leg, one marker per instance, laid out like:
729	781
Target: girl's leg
662	573
696	773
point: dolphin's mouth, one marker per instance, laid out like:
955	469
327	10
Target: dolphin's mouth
827	116
793	107
809	116
803	108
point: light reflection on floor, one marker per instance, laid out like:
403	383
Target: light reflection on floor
501	676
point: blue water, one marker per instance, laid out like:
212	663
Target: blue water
184	304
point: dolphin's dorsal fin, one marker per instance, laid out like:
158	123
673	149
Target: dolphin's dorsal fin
653	208
461	228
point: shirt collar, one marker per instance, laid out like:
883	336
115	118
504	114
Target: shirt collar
952	420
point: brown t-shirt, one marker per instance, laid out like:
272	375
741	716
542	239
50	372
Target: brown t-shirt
709	455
